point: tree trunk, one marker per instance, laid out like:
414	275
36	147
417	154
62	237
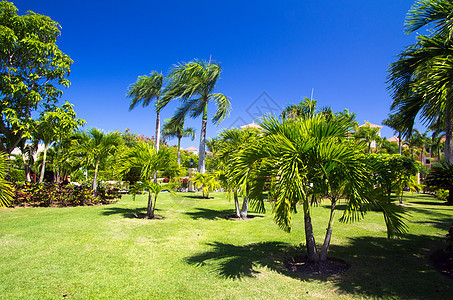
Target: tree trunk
245	207
325	246
201	149
150	209
157	136
448	136
179	150
312	251
43	167
94	186
400	143
450	196
236	204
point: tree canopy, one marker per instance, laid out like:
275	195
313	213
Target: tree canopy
32	69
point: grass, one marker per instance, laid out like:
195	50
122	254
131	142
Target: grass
193	252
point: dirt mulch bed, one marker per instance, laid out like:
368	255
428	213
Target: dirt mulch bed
143	216
301	265
443	262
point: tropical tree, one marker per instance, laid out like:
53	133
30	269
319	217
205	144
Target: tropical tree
420	80
393	121
307	161
194	83
96	146
149	161
368	134
54	126
441	177
231	143
144	91
207	182
305	109
32	69
6	190
172	129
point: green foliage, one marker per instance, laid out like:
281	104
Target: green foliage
441	177
31	69
6	190
441	194
48	194
207	182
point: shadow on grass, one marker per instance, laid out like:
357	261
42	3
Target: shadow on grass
209	214
196	197
380	268
130	213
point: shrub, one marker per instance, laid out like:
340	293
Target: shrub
442	194
49	194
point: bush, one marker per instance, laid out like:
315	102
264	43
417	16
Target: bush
49	194
442	194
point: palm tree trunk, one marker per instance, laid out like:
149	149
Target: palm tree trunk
236	204
150	209
157	135
95	174
201	149
400	144
179	151
325	246
310	242
448	136
245	207
43	167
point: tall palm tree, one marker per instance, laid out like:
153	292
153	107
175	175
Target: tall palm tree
305	109
420	81
194	83
174	129
309	160
144	91
97	146
393	122
149	161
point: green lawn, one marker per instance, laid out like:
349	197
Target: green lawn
193	252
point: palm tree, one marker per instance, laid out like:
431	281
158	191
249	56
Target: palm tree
305	109
145	157
6	190
144	91
173	129
393	121
309	160
194	83
207	182
420	81
368	134
231	143
97	146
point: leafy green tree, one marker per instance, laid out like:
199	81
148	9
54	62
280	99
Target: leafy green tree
144	91
230	145
97	146
441	177
6	190
54	126
305	109
420	79
174	129
393	121
145	157
308	160
207	182
194	83
32	68
368	134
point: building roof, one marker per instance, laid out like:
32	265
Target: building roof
371	125
393	139
191	148
252	125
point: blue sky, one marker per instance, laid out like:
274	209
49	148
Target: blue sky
285	49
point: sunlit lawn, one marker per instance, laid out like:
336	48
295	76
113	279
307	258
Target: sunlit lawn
193	252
